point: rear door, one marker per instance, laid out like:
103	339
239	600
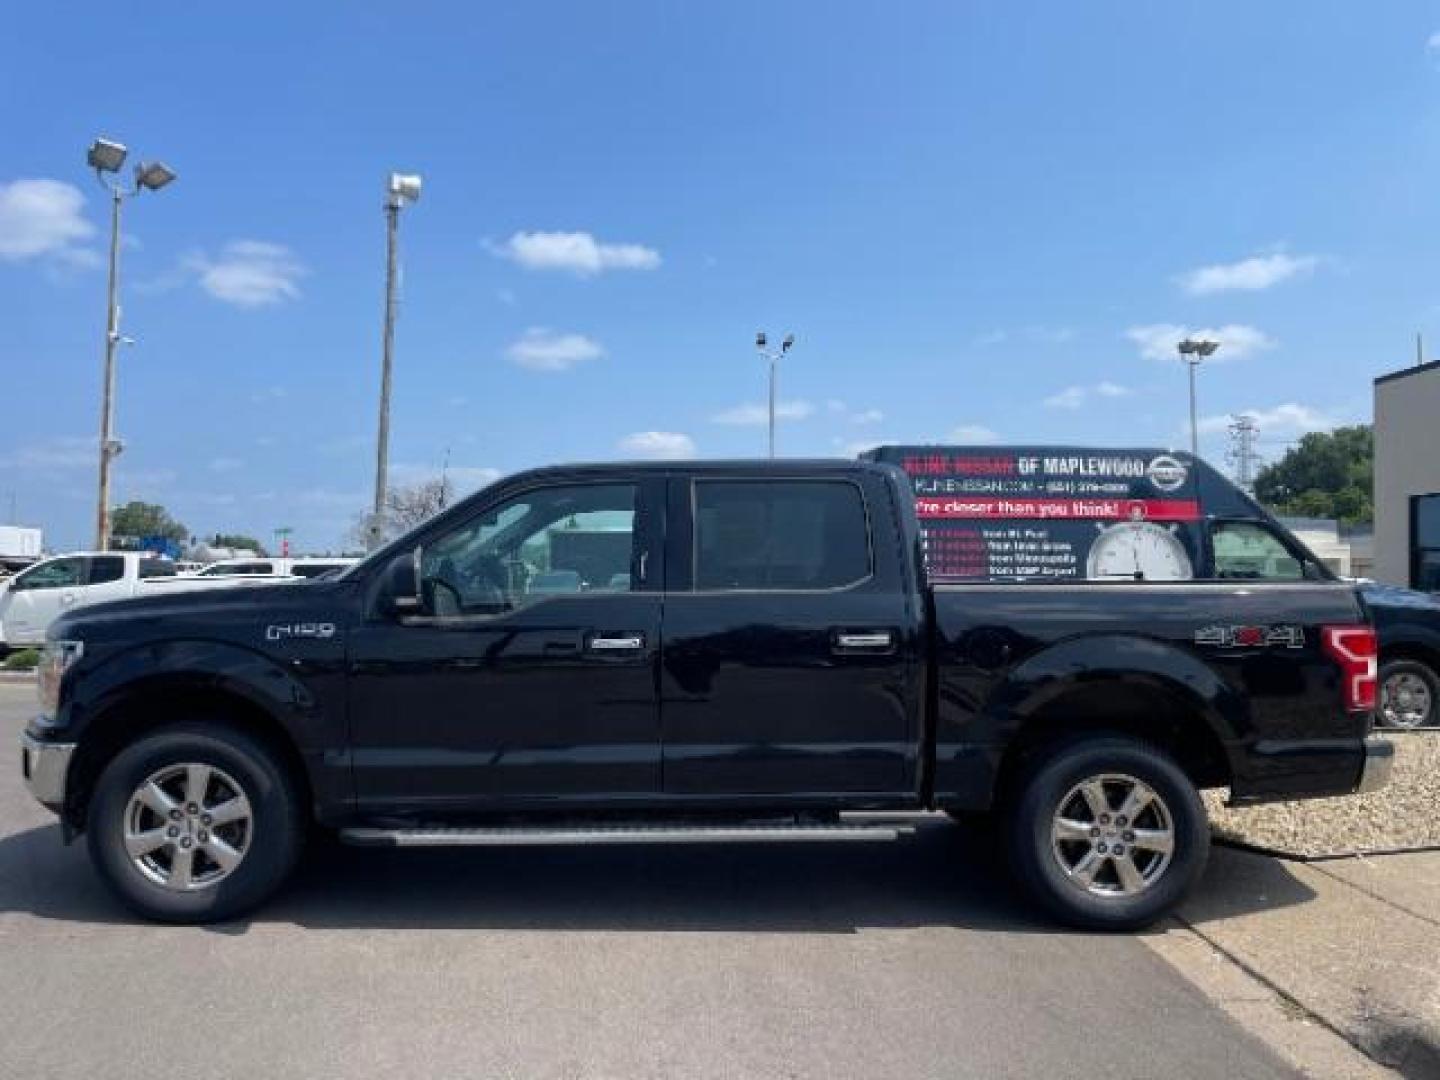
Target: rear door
105	580
790	663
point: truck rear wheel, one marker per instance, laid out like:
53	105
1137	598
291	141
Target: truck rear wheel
194	824
1107	832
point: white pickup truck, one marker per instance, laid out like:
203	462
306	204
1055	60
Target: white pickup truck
36	597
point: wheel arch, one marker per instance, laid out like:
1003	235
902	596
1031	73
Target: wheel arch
157	702
1122	685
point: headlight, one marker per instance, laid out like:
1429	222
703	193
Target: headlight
55	660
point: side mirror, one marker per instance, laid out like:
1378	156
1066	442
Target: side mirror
402	583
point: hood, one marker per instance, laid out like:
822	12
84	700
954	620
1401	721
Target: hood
202	611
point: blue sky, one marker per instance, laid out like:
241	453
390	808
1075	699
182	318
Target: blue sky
981	220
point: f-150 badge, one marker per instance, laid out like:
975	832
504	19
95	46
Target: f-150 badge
1251	637
284	631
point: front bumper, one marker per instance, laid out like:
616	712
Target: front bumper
45	766
1379	760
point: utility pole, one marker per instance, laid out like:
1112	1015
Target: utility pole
1244	458
106	156
400	190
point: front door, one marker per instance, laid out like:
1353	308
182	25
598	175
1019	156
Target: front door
39	596
528	675
791	664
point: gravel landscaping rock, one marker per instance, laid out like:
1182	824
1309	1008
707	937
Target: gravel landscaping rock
1403	814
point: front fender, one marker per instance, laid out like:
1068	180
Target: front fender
188	665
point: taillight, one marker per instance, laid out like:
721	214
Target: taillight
1354	648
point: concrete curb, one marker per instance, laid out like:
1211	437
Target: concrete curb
16	677
1292	856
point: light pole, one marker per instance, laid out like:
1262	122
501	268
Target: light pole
399	190
774	357
106	156
1191	353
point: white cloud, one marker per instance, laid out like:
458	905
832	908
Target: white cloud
507	297
991	337
464	478
658	444
752	414
249	273
867	416
859	446
1252	274
540	349
1072	397
1289	418
1157	341
61	452
226	464
973	433
42	219
1432	45
575	252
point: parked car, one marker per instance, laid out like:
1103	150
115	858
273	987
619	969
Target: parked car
777	659
264	566
35	598
1408	625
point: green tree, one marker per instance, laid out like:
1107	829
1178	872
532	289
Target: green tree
1327	474
146	519
239	540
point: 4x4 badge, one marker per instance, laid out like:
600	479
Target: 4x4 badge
1251	637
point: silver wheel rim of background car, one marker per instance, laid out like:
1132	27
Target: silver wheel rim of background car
188	826
1112	835
1405	700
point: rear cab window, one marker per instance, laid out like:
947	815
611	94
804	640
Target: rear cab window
103	569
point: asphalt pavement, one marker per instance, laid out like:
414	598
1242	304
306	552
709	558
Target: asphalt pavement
909	959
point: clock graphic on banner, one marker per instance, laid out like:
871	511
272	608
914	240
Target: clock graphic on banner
1139	550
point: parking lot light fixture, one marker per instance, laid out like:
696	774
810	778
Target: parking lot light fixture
106	157
773	356
1192	352
153	175
401	189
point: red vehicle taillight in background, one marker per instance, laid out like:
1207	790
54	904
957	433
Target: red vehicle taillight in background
1357	652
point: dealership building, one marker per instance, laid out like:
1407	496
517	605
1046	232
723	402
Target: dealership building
1407	477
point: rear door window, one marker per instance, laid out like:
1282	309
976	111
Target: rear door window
105	568
780	535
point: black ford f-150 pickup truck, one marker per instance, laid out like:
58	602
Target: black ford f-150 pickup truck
725	650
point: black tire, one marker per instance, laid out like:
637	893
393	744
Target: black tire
1426	675
1040	796
278	822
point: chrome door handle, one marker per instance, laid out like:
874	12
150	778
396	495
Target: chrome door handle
869	641
618	643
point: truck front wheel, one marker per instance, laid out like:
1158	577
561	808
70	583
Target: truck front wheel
1107	832
194	823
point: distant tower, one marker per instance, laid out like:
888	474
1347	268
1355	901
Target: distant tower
1243	457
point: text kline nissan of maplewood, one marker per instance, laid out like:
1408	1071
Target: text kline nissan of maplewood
730	651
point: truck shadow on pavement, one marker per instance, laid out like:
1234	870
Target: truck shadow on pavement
939	877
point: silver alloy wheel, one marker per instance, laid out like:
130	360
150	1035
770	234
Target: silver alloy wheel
1113	835
1405	701
188	826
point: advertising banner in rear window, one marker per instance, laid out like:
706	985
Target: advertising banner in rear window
1037	513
